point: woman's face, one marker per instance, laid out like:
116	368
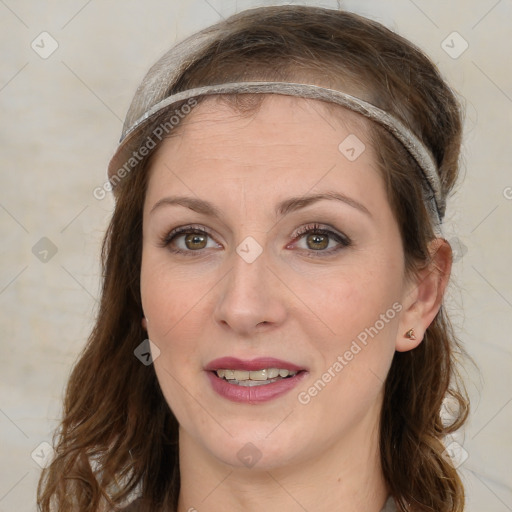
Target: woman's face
287	259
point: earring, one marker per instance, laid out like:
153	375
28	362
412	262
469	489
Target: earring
410	334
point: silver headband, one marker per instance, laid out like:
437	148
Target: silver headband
433	193
152	97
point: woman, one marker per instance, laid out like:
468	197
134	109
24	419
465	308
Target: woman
280	188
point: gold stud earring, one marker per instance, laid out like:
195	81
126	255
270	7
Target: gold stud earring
410	334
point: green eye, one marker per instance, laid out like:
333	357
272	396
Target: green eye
320	240
196	241
188	240
313	239
317	241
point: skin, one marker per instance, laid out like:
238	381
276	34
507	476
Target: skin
293	302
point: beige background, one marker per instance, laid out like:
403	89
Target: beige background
61	119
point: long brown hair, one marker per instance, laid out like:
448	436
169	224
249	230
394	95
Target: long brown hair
118	436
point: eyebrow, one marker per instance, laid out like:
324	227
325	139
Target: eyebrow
283	208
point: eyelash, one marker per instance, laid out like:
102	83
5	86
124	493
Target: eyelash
315	229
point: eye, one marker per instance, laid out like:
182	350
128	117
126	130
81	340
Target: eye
192	240
188	239
317	239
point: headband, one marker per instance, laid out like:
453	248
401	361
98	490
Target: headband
151	99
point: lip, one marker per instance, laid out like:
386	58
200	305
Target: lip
253	394
233	363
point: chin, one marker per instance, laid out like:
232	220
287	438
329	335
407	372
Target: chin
256	449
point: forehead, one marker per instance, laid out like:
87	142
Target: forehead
268	114
286	143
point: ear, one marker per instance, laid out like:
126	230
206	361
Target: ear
423	295
144	323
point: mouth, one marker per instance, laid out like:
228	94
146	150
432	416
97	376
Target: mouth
254	381
256	377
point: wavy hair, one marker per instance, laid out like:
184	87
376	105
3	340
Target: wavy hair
118	438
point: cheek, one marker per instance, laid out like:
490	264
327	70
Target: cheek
168	298
350	297
172	307
355	354
358	305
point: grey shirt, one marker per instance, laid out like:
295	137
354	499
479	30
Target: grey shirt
389	506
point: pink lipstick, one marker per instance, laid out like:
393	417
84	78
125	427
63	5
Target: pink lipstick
253	381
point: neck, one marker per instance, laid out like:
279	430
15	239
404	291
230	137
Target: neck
345	477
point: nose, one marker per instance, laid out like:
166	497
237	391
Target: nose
251	298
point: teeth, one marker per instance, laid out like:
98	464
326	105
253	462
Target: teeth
250	383
258	375
241	375
264	376
273	373
226	374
